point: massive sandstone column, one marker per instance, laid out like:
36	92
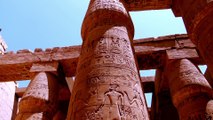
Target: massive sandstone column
198	17
107	83
209	110
163	108
39	102
189	89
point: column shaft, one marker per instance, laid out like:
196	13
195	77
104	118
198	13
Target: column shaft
164	108
189	89
197	16
209	110
208	77
40	99
107	84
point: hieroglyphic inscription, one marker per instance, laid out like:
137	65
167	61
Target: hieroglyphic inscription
114	103
109	50
114	5
40	98
107	84
107	70
105	14
183	72
188	88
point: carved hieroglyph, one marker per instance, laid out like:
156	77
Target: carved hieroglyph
189	89
107	83
39	102
197	17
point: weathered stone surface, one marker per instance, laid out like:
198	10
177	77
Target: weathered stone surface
47	67
40	99
135	5
7	100
17	66
209	110
198	21
182	53
208	77
189	89
162	106
150	53
148	84
20	91
107	84
32	116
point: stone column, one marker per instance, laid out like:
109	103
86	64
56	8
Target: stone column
107	84
164	108
208	77
209	110
189	89
197	16
39	102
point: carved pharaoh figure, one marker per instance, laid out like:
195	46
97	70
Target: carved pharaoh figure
106	67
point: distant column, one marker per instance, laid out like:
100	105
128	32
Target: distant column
107	85
209	110
197	16
40	100
208	77
163	108
189	89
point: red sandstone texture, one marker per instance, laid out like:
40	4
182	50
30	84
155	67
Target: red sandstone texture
107	84
189	89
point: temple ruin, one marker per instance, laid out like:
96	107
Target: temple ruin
100	80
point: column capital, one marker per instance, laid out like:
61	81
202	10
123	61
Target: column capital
189	89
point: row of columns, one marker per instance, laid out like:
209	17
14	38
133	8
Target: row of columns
190	93
107	80
197	16
107	85
187	84
189	89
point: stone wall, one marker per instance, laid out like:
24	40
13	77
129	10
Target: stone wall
7	100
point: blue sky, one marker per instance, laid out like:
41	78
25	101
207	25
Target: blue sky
30	24
49	23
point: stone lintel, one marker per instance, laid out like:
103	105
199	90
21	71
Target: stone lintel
45	67
148	84
182	53
139	5
151	54
20	91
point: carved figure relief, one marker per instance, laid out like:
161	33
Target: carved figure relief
113	102
107	73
